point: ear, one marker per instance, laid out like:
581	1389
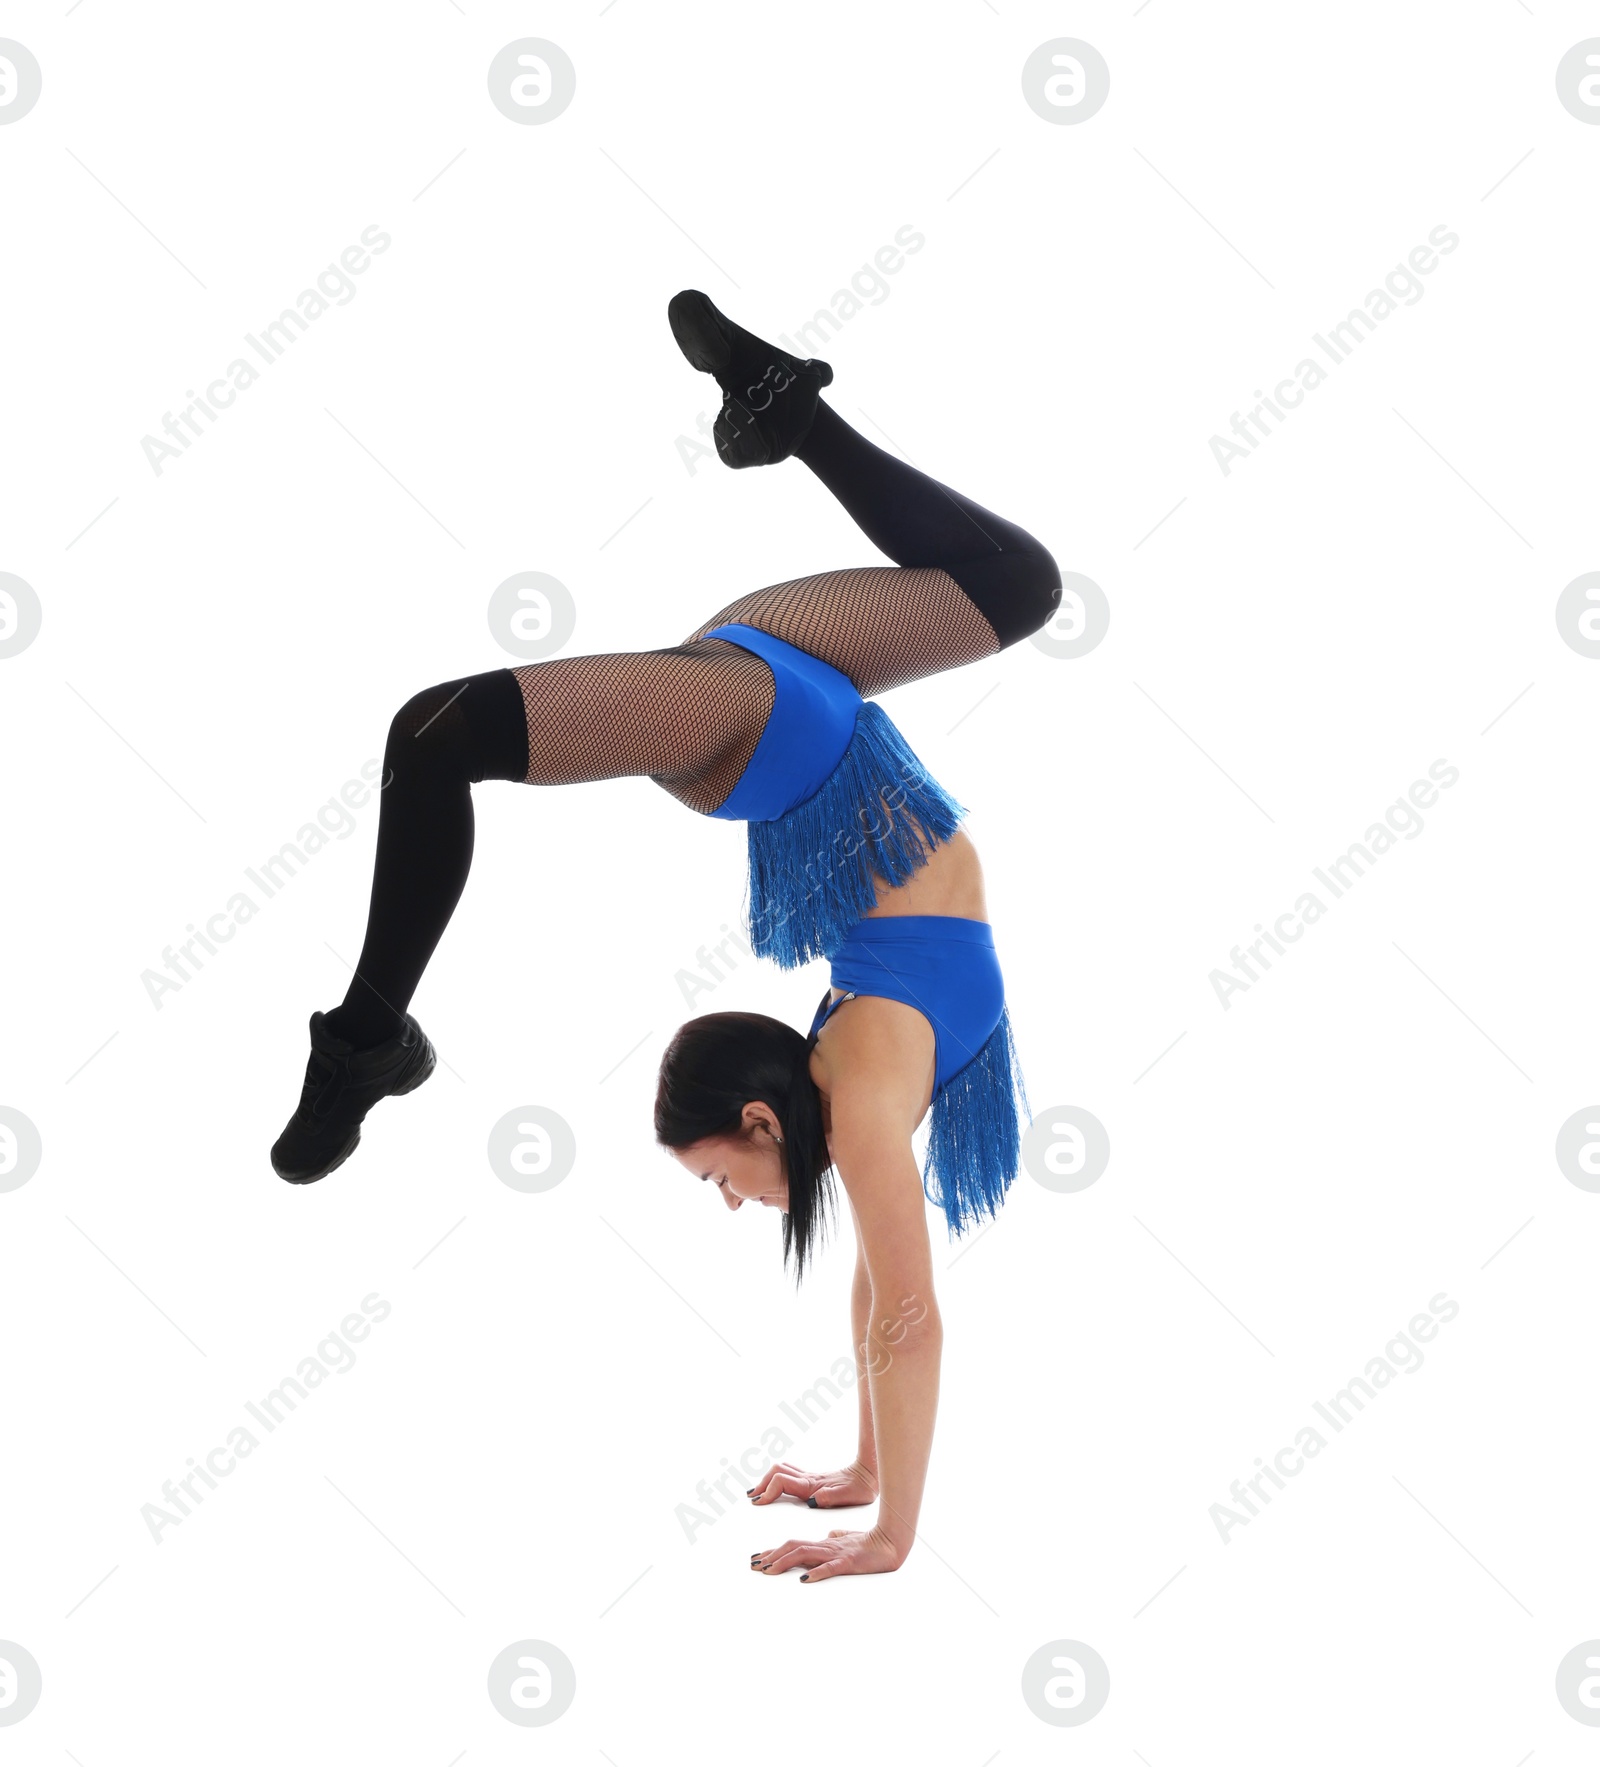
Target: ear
758	1115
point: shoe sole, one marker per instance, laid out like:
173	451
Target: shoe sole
427	1070
313	1177
355	1141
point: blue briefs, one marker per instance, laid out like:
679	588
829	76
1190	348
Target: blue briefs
834	802
812	720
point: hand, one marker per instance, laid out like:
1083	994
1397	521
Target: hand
842	1554
846	1489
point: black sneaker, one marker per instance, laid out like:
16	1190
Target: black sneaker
342	1084
769	397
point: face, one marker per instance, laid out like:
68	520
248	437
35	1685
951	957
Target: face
744	1168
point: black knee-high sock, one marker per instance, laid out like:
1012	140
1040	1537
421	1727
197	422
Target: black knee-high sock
441	743
1007	574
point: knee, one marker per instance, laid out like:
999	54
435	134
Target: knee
1038	592
428	732
465	730
1017	591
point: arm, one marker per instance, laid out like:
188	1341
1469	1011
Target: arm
881	1070
905	1338
860	1319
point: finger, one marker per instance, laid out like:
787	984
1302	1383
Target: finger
781	1558
760	1561
837	1533
797	1552
835	1497
786	1485
790	1561
832	1567
778	1466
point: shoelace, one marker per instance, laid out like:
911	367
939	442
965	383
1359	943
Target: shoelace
323	1072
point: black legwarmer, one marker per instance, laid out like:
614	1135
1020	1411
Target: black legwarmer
1011	579
441	742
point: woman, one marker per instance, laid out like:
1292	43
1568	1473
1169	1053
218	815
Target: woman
749	1105
760	716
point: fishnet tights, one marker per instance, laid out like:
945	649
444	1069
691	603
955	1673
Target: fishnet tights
964	583
690	717
882	625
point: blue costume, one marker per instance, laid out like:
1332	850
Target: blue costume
835	801
946	969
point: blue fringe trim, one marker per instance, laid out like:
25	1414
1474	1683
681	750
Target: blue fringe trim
813	872
975	1136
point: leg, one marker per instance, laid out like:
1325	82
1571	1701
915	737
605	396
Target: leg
688	718
1006	574
441	743
970	583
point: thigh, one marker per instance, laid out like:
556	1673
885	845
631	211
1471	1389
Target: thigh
688	718
882	625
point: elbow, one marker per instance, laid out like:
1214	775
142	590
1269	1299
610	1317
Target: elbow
918	1331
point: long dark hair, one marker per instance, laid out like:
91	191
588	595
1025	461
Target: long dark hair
717	1064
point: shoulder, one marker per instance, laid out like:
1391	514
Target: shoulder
875	1061
878	1073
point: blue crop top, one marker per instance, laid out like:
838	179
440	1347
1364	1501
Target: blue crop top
941	965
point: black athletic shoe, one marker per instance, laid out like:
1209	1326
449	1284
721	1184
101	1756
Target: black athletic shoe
768	396
342	1084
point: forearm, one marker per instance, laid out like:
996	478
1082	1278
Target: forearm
860	1326
905	1402
871	1144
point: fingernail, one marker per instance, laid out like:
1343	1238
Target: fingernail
748	1489
805	1576
812	1502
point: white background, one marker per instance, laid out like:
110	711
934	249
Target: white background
1296	642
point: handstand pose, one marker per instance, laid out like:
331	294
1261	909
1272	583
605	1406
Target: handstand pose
856	854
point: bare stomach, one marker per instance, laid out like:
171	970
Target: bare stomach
950	883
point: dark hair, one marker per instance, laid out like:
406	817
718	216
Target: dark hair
717	1064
